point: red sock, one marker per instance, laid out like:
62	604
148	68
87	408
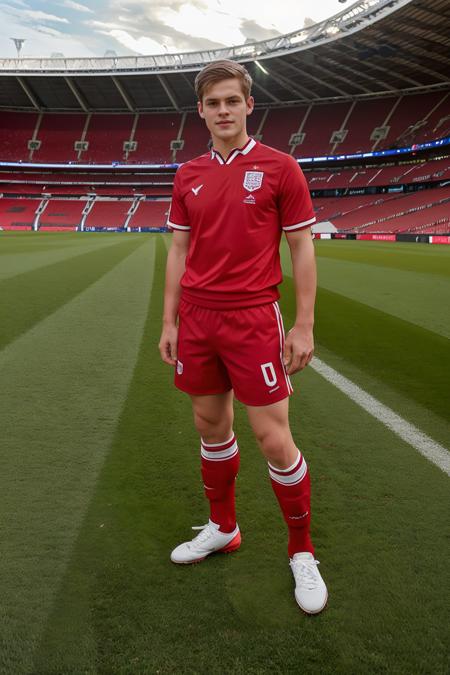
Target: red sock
220	466
292	488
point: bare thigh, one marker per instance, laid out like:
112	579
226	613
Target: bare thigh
213	416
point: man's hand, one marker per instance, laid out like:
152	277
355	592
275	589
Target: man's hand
298	349
168	344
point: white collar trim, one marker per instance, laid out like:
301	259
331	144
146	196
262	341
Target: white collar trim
237	151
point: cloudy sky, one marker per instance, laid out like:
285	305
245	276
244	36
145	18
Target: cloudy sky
93	27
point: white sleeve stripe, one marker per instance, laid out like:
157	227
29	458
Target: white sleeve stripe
297	225
175	226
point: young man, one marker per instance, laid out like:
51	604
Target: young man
222	327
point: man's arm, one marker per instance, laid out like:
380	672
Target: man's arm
299	346
175	267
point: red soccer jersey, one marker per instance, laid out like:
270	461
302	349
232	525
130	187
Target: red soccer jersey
235	211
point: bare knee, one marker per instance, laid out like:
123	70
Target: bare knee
214	426
277	446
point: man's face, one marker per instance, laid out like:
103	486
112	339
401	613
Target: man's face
225	109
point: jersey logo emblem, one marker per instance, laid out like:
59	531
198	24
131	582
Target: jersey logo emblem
197	189
253	180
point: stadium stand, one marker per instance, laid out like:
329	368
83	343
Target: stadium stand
62	213
110	213
58	134
150	214
411	122
344	93
153	136
18	213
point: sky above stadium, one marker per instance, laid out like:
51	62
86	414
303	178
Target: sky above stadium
92	28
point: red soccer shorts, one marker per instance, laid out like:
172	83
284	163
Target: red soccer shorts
239	349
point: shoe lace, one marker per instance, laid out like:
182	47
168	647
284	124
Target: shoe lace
205	533
305	572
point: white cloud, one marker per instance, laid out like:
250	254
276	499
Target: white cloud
76	5
226	22
204	22
21	3
151	26
40	40
42	16
141	45
50	31
103	26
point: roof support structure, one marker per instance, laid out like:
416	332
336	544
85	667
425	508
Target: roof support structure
29	93
310	94
266	91
76	93
124	94
306	73
169	92
370	78
352	83
292	86
371	65
439	76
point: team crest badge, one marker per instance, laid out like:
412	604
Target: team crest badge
253	180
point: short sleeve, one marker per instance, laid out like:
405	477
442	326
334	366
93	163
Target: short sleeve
178	217
294	201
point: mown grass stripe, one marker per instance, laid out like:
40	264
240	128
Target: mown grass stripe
33	257
124	608
63	386
417	298
124	605
28	298
416	258
405	357
433	451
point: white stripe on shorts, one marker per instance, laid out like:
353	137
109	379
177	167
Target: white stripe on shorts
281	332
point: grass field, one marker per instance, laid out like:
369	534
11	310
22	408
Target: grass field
99	473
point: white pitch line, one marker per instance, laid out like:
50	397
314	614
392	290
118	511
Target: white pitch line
433	451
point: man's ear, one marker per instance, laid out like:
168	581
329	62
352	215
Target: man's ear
250	105
200	109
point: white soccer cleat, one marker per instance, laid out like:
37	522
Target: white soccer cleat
209	540
310	590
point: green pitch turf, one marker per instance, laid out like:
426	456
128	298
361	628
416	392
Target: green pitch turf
99	473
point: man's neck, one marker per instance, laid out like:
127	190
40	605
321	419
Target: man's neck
225	147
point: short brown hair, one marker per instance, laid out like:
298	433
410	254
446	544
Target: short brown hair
222	70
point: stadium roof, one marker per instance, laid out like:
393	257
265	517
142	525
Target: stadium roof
372	48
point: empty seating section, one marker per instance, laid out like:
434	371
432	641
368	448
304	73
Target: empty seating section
62	213
280	124
414	118
371	176
150	214
195	136
58	134
106	135
437	125
385	213
153	135
16	129
410	111
322	120
108	213
329	209
364	118
254	121
18	212
414	220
